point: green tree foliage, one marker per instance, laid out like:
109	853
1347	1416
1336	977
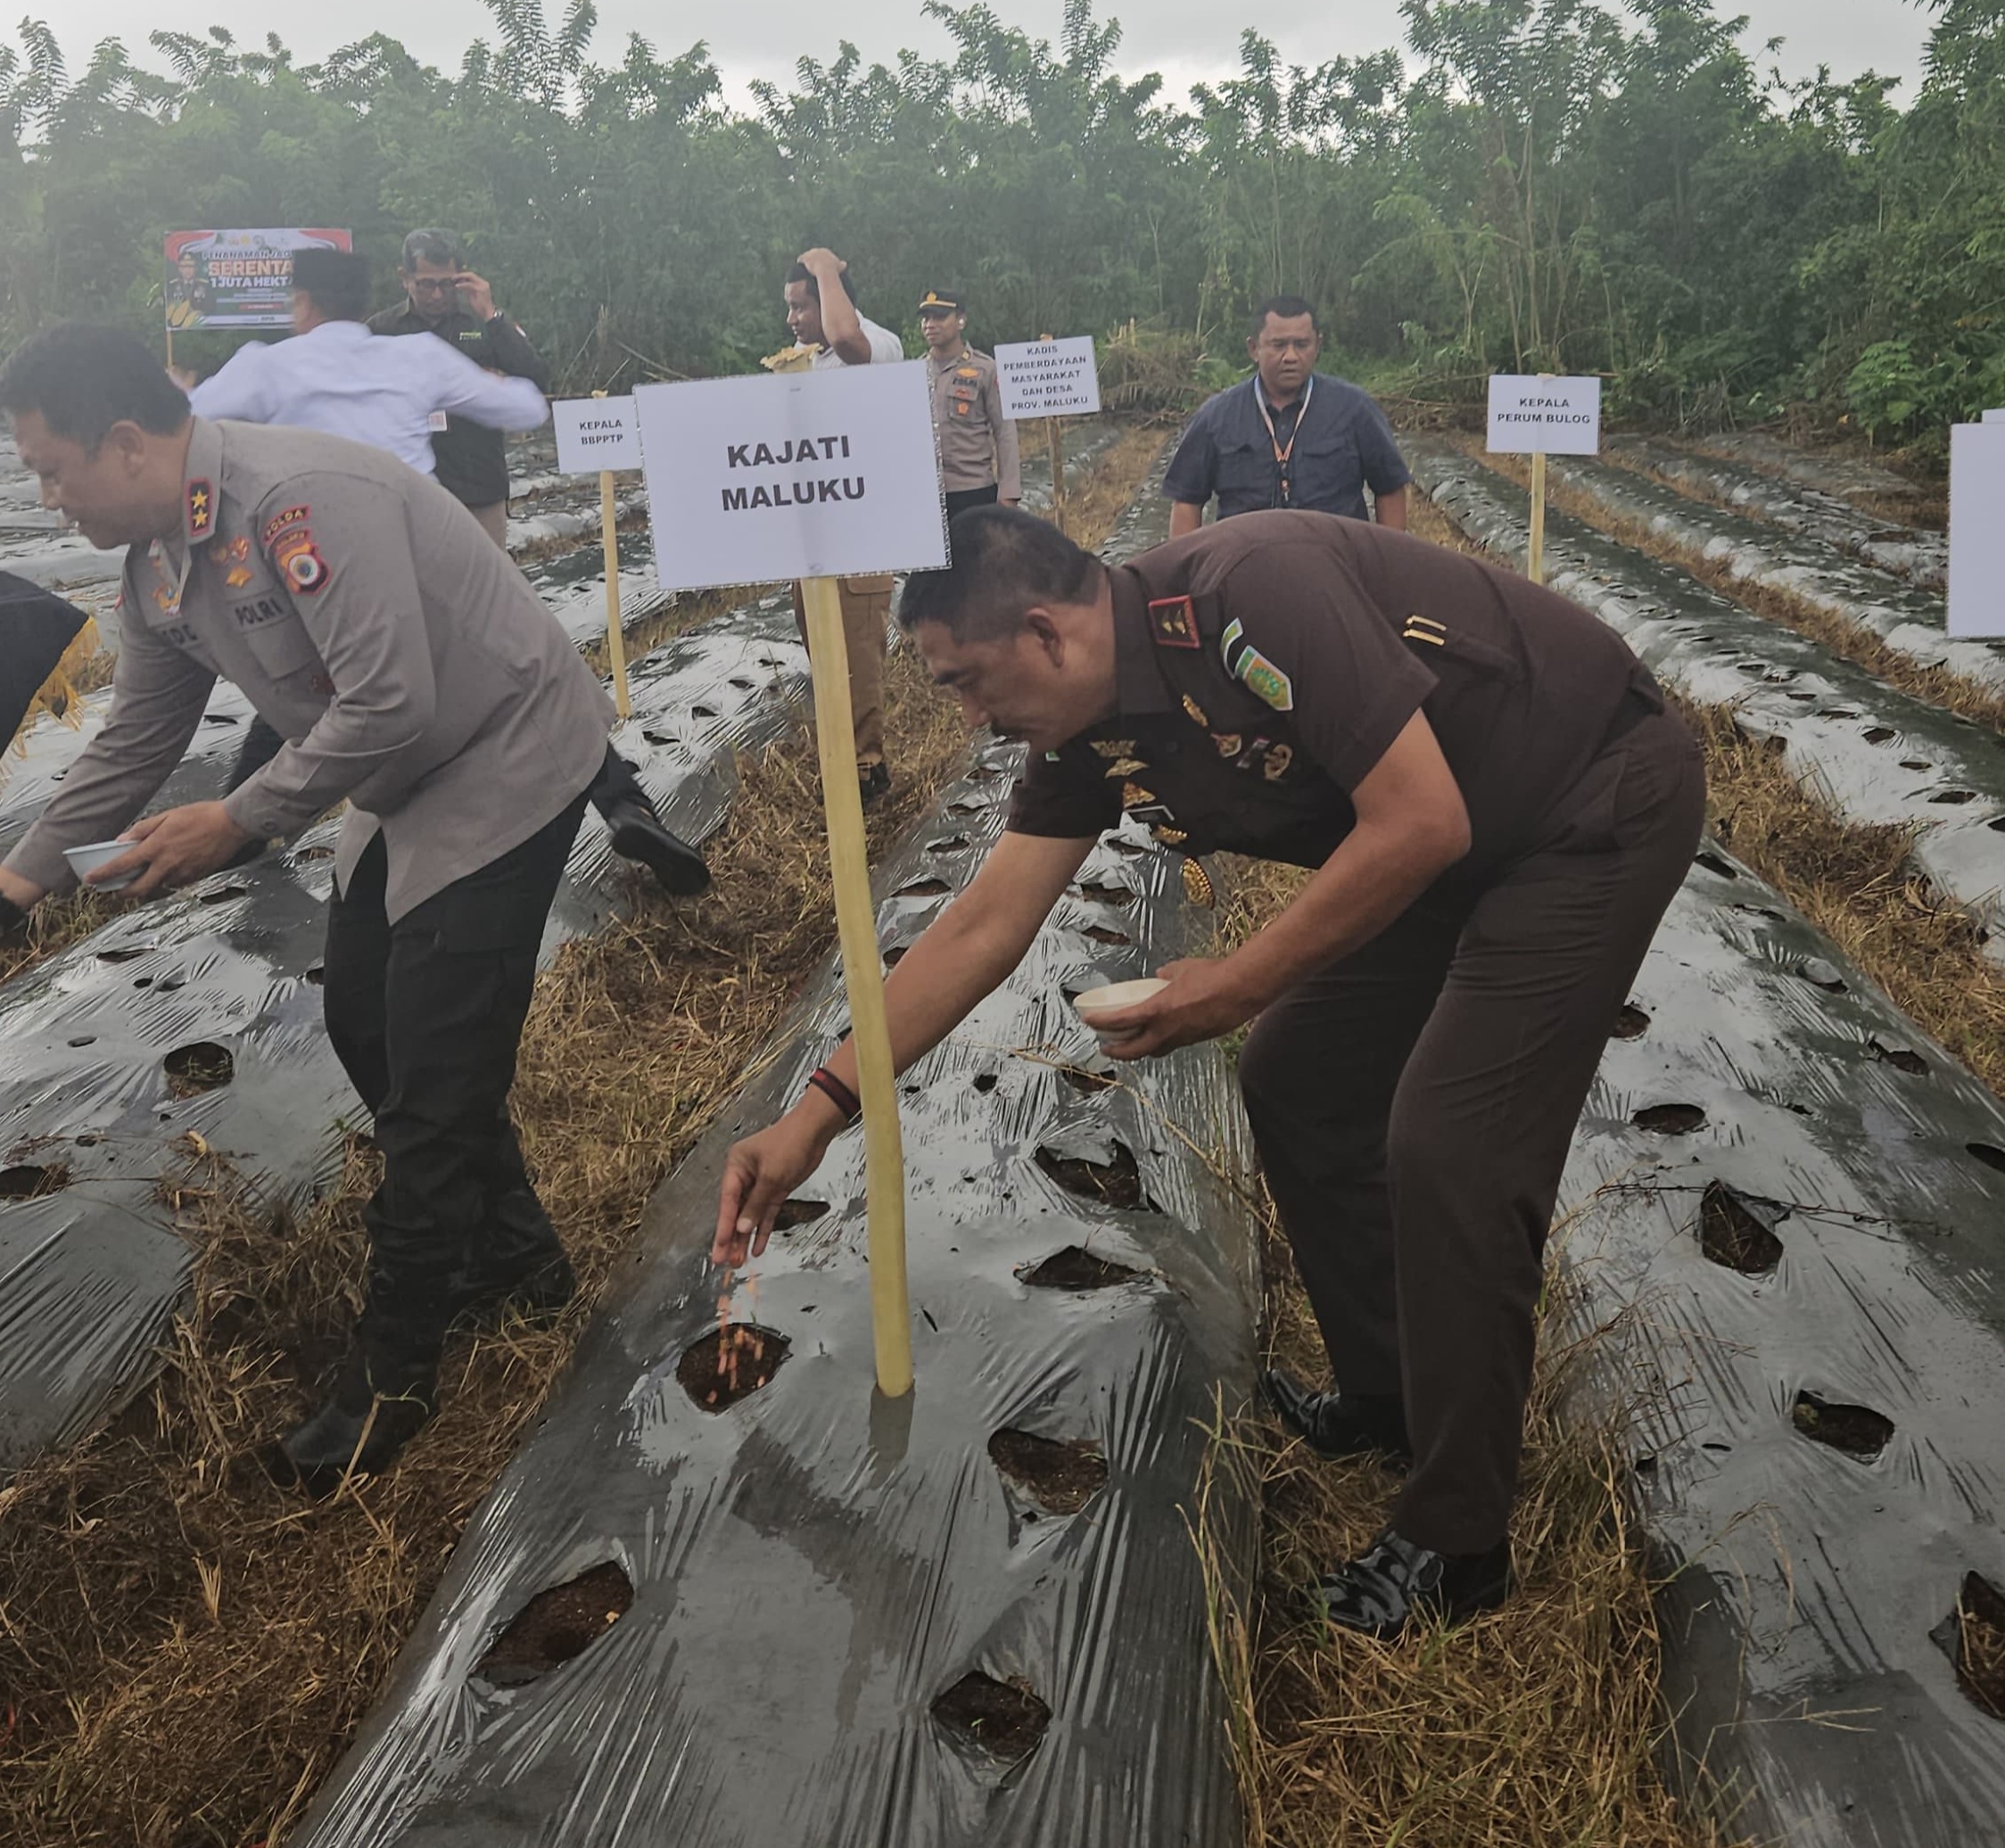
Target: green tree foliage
1537	183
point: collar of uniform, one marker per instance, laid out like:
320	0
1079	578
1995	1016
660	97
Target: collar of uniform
202	471
941	363
1138	680
330	333
1256	395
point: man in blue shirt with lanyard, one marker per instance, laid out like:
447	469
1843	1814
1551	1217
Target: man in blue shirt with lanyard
1289	437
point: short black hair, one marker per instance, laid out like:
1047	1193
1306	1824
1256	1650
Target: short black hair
1005	561
338	281
1290	308
801	273
433	245
83	379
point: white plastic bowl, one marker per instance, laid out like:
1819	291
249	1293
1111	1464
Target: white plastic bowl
1116	995
86	860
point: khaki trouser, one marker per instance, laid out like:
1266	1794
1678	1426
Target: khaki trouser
866	616
494	521
1414	1104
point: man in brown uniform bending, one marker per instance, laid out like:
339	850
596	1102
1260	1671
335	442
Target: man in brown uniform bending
1498	808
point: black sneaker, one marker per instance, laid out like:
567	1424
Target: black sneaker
1335	1427
875	781
1395	1583
638	834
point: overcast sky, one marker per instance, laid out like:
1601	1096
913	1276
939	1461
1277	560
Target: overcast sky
1185	40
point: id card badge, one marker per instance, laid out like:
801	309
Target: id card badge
438	421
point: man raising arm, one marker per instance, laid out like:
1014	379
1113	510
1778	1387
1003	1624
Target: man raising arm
1498	807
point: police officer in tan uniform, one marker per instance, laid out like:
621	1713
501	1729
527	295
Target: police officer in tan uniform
418	678
978	459
1498	807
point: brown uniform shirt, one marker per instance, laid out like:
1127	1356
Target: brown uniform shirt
977	443
1265	664
370	622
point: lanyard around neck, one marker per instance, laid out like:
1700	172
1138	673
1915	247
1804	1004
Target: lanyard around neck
1282	457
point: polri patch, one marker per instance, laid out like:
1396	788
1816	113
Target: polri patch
299	560
1173	621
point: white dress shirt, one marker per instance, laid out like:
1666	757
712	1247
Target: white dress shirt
886	348
343	380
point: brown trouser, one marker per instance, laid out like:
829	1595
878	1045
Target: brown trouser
494	521
866	617
1414	1105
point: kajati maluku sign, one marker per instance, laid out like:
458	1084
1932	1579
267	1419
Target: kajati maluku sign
805	474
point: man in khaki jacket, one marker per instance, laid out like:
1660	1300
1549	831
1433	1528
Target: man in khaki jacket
366	616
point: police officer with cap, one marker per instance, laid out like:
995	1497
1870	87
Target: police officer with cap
1497	806
978	458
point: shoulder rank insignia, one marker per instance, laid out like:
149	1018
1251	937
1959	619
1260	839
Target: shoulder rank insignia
1265	682
1126	767
1425	629
1195	713
1173	622
201	509
1114	747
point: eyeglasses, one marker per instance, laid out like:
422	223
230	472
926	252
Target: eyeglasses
433	284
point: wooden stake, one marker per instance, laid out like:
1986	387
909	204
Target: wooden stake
170	349
869	1032
1535	559
615	638
1054	439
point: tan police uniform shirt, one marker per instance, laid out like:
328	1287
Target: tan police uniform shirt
373	624
977	443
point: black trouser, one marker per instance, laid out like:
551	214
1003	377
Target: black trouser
425	1016
616	782
1414	1105
961	499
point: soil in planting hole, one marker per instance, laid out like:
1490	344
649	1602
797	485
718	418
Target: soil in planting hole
33	1180
1857	1431
1060	1477
557	1626
1075	1268
1003	1720
313	853
1105	892
1915	763
1670	1118
1820	973
1087	1081
1713	863
1980	1643
222	894
1874	734
1733	1235
131	953
1901	1058
894	956
1631	1023
703	712
1117	1183
985	1082
1956	798
798	1212
924	889
1989	1154
732	1364
202	1066
1101	934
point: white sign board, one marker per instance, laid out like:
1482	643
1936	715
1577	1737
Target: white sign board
1978	529
1048	378
1554	417
831	474
594	435
1994	416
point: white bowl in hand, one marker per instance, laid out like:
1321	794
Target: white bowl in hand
1115	996
86	860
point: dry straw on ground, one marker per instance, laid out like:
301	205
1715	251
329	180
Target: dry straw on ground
184	1650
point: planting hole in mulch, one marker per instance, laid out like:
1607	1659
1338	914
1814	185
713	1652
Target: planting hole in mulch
131	953
731	1363
33	1180
1987	1153
1900	1058
1101	934
320	851
1003	1720
952	843
222	894
1670	1118
1820	973
1060	1477
1075	1268
84	1039
1979	1631
1732	1234
924	889
744	686
703	712
1087	1082
557	1626
1631	1023
1117	1183
1915	763
967	808
201	1066
1857	1431
896	954
1713	863
1874	734
985	1082
798	1212
1105	892
1844	712
1955	797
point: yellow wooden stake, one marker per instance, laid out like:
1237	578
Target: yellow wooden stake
1054	438
869	1032
616	639
1535	559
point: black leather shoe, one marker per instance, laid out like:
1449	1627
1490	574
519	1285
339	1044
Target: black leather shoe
379	1404
638	834
875	782
536	1289
1335	1427
1395	1583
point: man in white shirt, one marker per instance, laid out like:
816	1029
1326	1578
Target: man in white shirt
822	312
334	376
